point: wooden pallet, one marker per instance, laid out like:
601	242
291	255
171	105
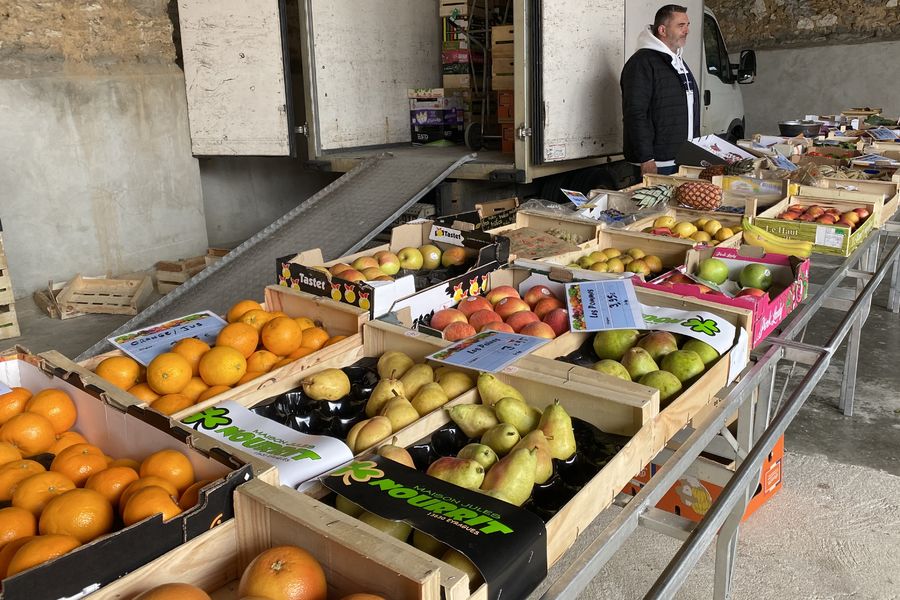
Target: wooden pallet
9	324
105	296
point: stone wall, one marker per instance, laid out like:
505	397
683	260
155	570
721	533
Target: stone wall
766	24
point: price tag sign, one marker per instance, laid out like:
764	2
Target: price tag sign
577	198
489	351
143	345
829	236
599	305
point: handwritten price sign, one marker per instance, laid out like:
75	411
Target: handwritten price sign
599	305
143	345
489	351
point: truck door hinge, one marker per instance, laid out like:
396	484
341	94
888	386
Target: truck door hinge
302	129
524	131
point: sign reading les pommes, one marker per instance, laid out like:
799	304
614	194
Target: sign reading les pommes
507	544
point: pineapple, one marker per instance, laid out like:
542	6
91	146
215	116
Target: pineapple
699	195
712	171
653	195
741	167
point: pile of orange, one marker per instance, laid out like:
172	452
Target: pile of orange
254	342
85	494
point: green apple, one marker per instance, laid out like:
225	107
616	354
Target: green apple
756	275
410	258
713	269
431	256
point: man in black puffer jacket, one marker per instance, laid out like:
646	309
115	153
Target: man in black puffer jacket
660	98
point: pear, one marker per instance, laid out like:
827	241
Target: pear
415	378
397	529
683	364
397	454
611	367
430	397
707	353
518	414
501	438
454	382
394	364
328	385
544	465
348	508
667	384
368	433
613	343
384	390
513	476
400	412
428	544
463	472
638	362
480	453
492	389
473	419
456	559
556	424
658	344
496	494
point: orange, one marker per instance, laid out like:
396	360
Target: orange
221	366
110	482
191	349
281	335
39	550
147	502
277	313
314	337
66	439
300	353
173	591
171	404
240	307
79	461
240	336
16	523
10	549
57	406
284	572
122	371
144	482
83	514
334	340
13	403
8	453
304	322
144	392
171	465
262	361
125	462
33	493
256	318
168	373
194	388
191	496
214	390
249	376
12	473
30	432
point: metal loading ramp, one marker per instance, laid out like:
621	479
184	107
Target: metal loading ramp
339	220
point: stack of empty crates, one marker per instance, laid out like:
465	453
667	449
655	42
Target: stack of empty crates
9	325
502	78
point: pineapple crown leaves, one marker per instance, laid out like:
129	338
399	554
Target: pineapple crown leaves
653	195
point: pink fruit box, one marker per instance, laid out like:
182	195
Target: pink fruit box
790	280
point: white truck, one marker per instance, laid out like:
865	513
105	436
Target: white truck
360	58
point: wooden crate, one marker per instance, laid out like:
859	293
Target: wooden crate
172	273
506	110
266	517
686	214
502	66
585	230
106	296
214	255
9	324
507	138
503	82
502	58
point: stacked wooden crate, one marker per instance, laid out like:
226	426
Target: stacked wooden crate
9	325
502	82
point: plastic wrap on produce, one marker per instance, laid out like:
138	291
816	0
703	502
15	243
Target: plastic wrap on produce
617	211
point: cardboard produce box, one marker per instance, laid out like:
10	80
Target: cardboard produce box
379	298
888	190
729	220
121	431
486	216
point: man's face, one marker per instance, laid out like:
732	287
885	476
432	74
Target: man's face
674	33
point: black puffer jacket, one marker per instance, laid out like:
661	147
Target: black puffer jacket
654	107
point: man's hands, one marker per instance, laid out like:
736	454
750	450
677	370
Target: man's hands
649	167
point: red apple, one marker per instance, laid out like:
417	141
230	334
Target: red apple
445	317
458	330
680	278
788	216
538	329
500	292
339	268
520	319
850	216
558	320
473	304
546	305
862	212
826	219
845	223
352	275
662	231
807	218
797	207
510	305
703	289
498	327
756	292
537	293
480	318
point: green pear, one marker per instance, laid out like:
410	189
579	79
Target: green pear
683	364
463	472
415	378
480	453
544	464
707	353
556	424
667	384
454	382
368	433
518	414
456	559
400	412
473	419
396	529
384	390
430	397
328	385
658	344
397	454
638	362
348	508
394	364
501	438
492	389
428	544
611	367
496	494
613	343
513	476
